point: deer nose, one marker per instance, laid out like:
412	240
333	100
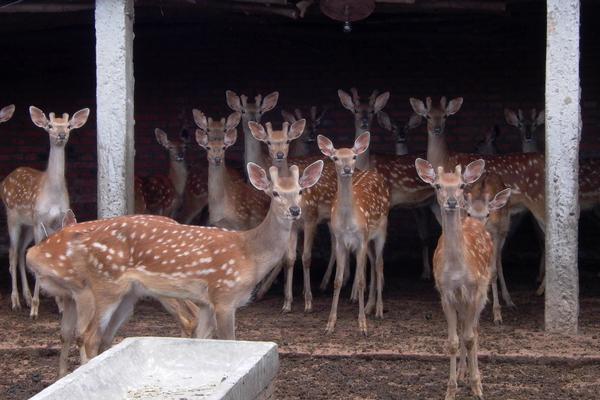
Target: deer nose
62	136
437	130
452	203
280	155
364	122
217	160
295	211
347	170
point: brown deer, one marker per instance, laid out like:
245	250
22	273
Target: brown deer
36	200
363	115
163	195
104	271
232	203
485	201
359	217
527	127
6	113
252	112
304	146
462	268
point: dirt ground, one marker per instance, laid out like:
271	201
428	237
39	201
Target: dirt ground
402	358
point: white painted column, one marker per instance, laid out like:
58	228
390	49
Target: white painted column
114	98
563	133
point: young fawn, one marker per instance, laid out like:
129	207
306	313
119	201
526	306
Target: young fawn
359	217
105	270
36	200
485	201
232	203
163	195
462	267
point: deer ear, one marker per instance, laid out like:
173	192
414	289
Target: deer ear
269	102
79	118
258	177
414	121
7	112
500	199
361	144
454	106
541	118
425	171
233	101
381	101
296	129
257	130
38	117
384	120
233	120
288	117
200	119
325	145
418	106
511	117
473	171
201	138
230	137
69	218
346	100
311	174
161	137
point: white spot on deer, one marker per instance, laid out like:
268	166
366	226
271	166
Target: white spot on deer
205	260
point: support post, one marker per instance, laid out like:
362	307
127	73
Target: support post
114	100
563	133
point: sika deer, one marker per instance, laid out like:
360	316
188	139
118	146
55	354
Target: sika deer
232	203
487	145
252	112
304	145
359	217
527	127
485	201
36	201
462	268
104	271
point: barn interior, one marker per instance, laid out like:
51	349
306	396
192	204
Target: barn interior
188	53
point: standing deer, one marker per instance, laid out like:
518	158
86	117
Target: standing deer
36	201
252	112
106	270
359	217
363	115
462	268
485	201
232	203
163	195
304	145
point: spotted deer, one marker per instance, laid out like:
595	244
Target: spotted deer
485	201
104	271
163	194
359	217
6	113
232	203
35	201
304	146
252	112
363	115
462	268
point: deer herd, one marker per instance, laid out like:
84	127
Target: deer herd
294	180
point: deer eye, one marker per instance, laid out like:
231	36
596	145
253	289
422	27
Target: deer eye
438	186
335	158
268	142
300	192
49	126
275	194
207	147
462	185
354	157
287	141
488	214
224	147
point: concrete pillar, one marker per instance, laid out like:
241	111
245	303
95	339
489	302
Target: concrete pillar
563	133
114	99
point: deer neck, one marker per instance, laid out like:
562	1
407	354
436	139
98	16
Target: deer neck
178	174
530	146
282	167
437	149
218	179
252	147
453	240
401	149
55	172
344	198
362	161
267	243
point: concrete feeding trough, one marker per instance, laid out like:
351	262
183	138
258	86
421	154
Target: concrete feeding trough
172	369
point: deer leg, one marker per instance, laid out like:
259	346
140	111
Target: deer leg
341	254
361	265
462	357
14	232
330	265
499	267
207	322
184	312
354	292
289	270
309	238
67	332
470	338
268	282
371	299
119	317
38	235
496	308
226	323
379	245
451	318
26	239
422	220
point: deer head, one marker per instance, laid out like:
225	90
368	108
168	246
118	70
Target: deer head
6	113
401	133
436	115
312	124
285	192
527	125
176	148
480	202
363	112
251	111
344	158
487	144
449	186
278	141
215	136
59	128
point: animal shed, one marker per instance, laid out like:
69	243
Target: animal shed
500	54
